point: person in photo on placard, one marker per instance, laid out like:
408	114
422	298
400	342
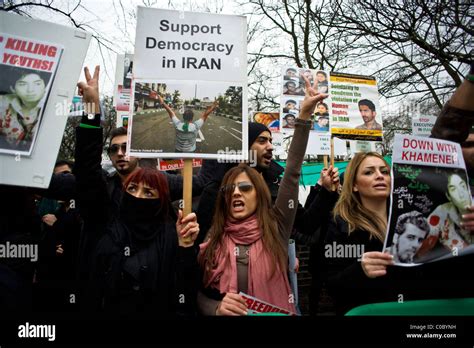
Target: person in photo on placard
289	121
246	248
187	130
322	125
368	113
322	79
291	106
410	232
445	221
293	88
308	74
290	74
20	111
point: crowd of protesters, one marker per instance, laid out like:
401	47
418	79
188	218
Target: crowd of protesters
117	243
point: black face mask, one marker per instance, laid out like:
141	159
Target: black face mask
141	215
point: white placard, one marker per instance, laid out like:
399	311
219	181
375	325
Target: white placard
193	61
36	170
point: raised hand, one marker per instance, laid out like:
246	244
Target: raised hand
312	97
329	178
89	90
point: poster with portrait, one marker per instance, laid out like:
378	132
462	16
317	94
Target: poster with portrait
293	92
39	68
27	69
429	195
189	88
355	110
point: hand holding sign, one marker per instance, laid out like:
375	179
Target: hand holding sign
374	263
187	228
232	304
468	220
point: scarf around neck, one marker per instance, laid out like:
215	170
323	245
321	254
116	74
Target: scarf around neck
272	289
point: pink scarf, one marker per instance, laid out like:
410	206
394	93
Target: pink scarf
275	290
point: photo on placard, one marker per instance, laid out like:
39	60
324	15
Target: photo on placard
269	119
320	117
293	86
309	74
426	213
177	117
125	121
291	105
322	79
23	94
288	121
127	71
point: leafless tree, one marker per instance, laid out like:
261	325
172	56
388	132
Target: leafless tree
421	47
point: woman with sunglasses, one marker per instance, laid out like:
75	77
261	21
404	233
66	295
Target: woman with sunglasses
144	258
246	249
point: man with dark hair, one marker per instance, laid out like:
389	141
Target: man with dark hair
289	121
290	88
368	113
20	111
63	167
410	231
322	78
446	220
290	74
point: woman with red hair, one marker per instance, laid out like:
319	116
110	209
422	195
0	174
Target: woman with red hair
144	259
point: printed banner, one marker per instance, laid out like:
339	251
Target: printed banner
422	125
355	110
189	91
350	111
256	306
176	164
429	195
27	71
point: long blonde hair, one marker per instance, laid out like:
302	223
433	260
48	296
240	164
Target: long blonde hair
349	205
272	240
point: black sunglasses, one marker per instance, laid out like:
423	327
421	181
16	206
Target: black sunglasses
243	186
113	149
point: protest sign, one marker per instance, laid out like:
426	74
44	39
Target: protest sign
28	68
123	88
293	92
41	62
176	164
355	110
256	306
429	195
196	64
422	125
349	112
